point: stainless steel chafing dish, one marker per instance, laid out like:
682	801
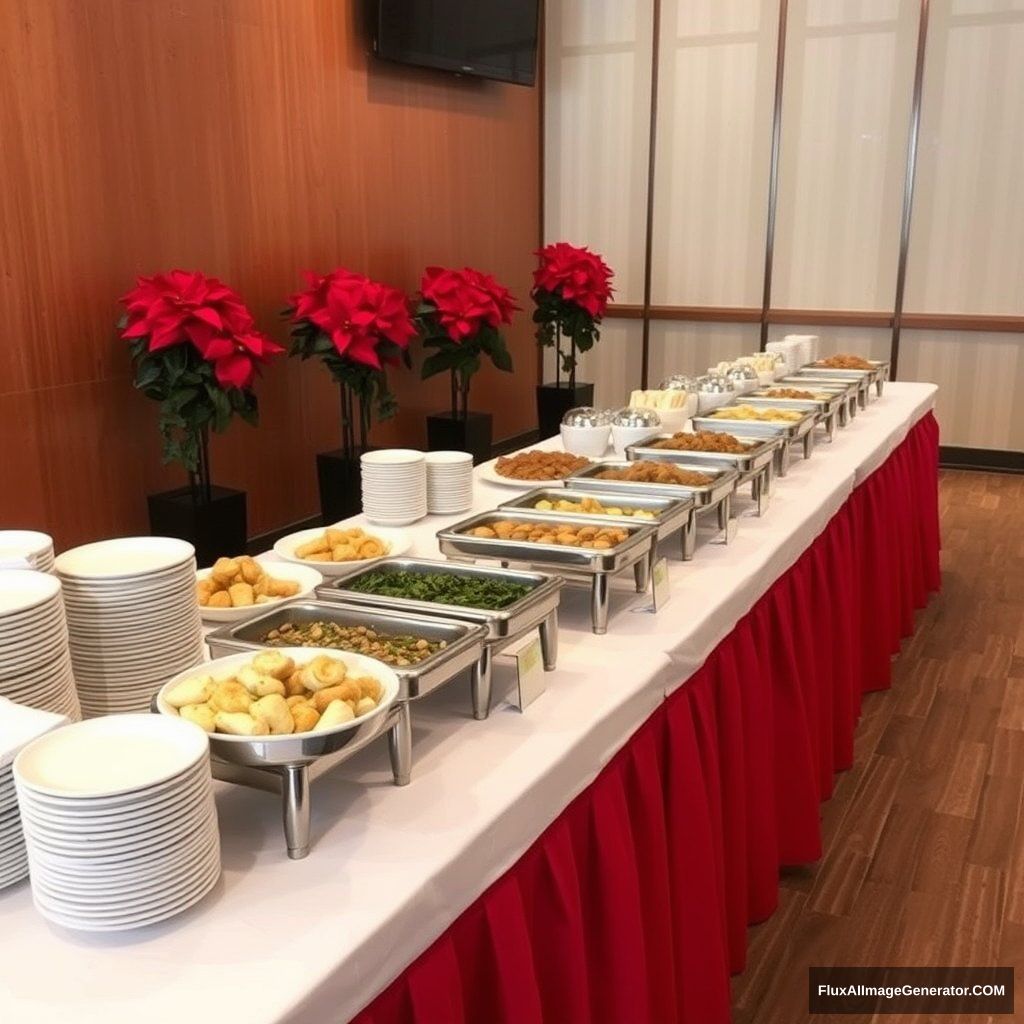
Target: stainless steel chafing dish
670	514
797	430
716	496
826	409
464	642
877	375
591	564
754	466
536	610
851	392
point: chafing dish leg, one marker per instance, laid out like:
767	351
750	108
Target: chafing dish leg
879	383
808	444
769	477
400	745
689	535
642	574
830	426
724	514
784	458
599	598
844	414
549	640
480	685
862	397
295	806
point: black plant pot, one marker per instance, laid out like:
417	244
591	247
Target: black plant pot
338	475
555	400
215	527
472	434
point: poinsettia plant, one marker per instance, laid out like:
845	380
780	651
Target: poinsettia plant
358	328
571	289
195	350
459	317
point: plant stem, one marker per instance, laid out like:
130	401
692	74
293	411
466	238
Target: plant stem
204	464
572	369
348	434
455	395
558	356
364	422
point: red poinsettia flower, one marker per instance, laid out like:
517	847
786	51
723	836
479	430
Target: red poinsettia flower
576	274
356	313
466	299
187	307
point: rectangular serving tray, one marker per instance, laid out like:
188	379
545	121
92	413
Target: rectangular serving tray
671	514
877	375
708	496
503	624
793	431
458	542
851	390
746	463
464	640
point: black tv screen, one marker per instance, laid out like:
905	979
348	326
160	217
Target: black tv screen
488	38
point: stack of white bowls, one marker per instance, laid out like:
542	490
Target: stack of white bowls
35	663
26	549
449	482
133	619
119	821
19	726
394	486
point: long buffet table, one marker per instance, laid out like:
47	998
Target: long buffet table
597	857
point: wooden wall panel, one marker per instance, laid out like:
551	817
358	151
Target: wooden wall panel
251	139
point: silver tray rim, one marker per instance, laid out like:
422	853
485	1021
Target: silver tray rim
793	431
726	479
745	462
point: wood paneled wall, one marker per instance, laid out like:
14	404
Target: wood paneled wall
251	139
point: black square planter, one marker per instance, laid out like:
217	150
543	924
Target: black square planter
340	485
216	527
555	400
449	433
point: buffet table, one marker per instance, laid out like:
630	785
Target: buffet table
597	857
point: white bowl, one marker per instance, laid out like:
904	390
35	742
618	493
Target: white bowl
225	668
397	542
589	441
306	576
623	436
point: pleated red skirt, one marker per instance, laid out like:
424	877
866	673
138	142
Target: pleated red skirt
633	906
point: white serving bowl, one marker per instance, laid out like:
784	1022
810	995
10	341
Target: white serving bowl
302	747
622	437
397	542
589	441
306	576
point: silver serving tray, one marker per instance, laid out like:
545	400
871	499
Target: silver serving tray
877	375
501	623
825	406
463	640
671	514
854	391
723	484
456	541
758	428
747	463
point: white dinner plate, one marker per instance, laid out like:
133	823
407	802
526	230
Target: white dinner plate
396	542
124	557
25	591
491	475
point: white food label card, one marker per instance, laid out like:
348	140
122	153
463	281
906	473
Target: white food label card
529	675
660	587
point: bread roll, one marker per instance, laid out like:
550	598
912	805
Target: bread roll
230	696
338	713
240	724
274	663
273	710
201	714
196	690
305	717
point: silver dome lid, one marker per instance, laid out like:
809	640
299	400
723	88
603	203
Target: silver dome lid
634	416
741	371
715	385
586	416
679	382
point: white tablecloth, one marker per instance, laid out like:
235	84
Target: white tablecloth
391	868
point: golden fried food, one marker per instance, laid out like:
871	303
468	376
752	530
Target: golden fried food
251	702
704	441
791	393
845	361
240	583
538	465
750	412
574	535
593	507
334	545
648	472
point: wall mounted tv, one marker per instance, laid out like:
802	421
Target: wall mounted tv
487	38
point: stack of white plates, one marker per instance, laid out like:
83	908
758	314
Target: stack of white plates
26	549
119	821
449	482
19	726
133	619
394	486
35	665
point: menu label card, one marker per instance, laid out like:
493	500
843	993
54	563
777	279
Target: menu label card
660	586
529	675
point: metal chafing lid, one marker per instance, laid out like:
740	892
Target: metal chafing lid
633	416
586	416
715	384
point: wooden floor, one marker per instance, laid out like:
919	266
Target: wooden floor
924	843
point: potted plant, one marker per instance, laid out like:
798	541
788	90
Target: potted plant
459	317
358	328
195	350
571	289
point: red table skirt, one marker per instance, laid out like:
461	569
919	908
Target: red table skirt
633	905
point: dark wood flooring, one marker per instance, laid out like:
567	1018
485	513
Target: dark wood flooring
924	861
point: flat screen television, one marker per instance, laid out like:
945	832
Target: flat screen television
488	38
